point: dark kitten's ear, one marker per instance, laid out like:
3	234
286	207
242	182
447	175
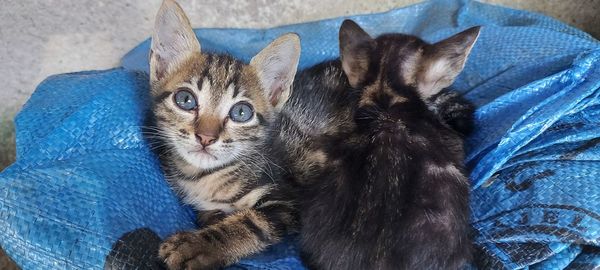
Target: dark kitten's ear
443	61
276	67
173	40
356	47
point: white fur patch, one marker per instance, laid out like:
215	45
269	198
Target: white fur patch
410	66
250	199
435	78
448	169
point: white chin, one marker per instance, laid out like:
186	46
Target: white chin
203	160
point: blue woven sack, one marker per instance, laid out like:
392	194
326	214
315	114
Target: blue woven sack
87	192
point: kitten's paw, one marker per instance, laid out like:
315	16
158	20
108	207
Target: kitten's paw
189	250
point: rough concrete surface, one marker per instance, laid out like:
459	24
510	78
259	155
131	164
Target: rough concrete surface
41	38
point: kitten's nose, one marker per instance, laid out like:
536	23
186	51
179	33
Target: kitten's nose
206	139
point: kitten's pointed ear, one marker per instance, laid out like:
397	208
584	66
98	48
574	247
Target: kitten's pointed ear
173	40
443	61
356	47
276	67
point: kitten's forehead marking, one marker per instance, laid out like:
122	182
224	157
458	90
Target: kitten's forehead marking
371	92
221	71
205	89
226	100
231	90
236	89
205	95
191	84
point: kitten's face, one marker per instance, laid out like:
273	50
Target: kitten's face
211	110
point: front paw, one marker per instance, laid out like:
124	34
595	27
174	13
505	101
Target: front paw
209	217
189	250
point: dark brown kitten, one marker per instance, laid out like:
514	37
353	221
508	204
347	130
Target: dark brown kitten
214	120
388	188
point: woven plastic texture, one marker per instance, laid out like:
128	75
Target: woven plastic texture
87	192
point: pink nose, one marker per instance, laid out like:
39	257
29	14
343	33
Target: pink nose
206	140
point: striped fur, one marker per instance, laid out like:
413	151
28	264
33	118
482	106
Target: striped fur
235	181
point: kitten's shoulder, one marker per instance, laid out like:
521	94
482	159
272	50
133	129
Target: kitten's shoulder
328	73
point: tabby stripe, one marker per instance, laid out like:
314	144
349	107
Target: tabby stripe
251	138
207	237
246	190
218	62
251	129
260	233
161	118
261	119
227	183
199	83
207	71
169	110
236	85
204	73
230	67
213	235
209	59
282	216
226	166
243	191
160	98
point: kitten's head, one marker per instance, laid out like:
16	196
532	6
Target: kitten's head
212	109
395	68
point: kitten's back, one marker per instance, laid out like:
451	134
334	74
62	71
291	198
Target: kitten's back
392	193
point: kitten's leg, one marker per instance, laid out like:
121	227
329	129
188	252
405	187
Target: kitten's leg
209	217
454	110
238	235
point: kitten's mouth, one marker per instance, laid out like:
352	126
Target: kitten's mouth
202	152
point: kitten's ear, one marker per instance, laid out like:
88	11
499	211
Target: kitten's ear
356	47
173	40
276	67
443	61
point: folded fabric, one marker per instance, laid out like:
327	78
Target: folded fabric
86	190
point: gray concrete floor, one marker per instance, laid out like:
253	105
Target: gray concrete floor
41	38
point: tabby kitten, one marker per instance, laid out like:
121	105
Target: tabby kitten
390	191
214	116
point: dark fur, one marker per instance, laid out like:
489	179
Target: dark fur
453	110
391	192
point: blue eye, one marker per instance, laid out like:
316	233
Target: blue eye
241	112
185	100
